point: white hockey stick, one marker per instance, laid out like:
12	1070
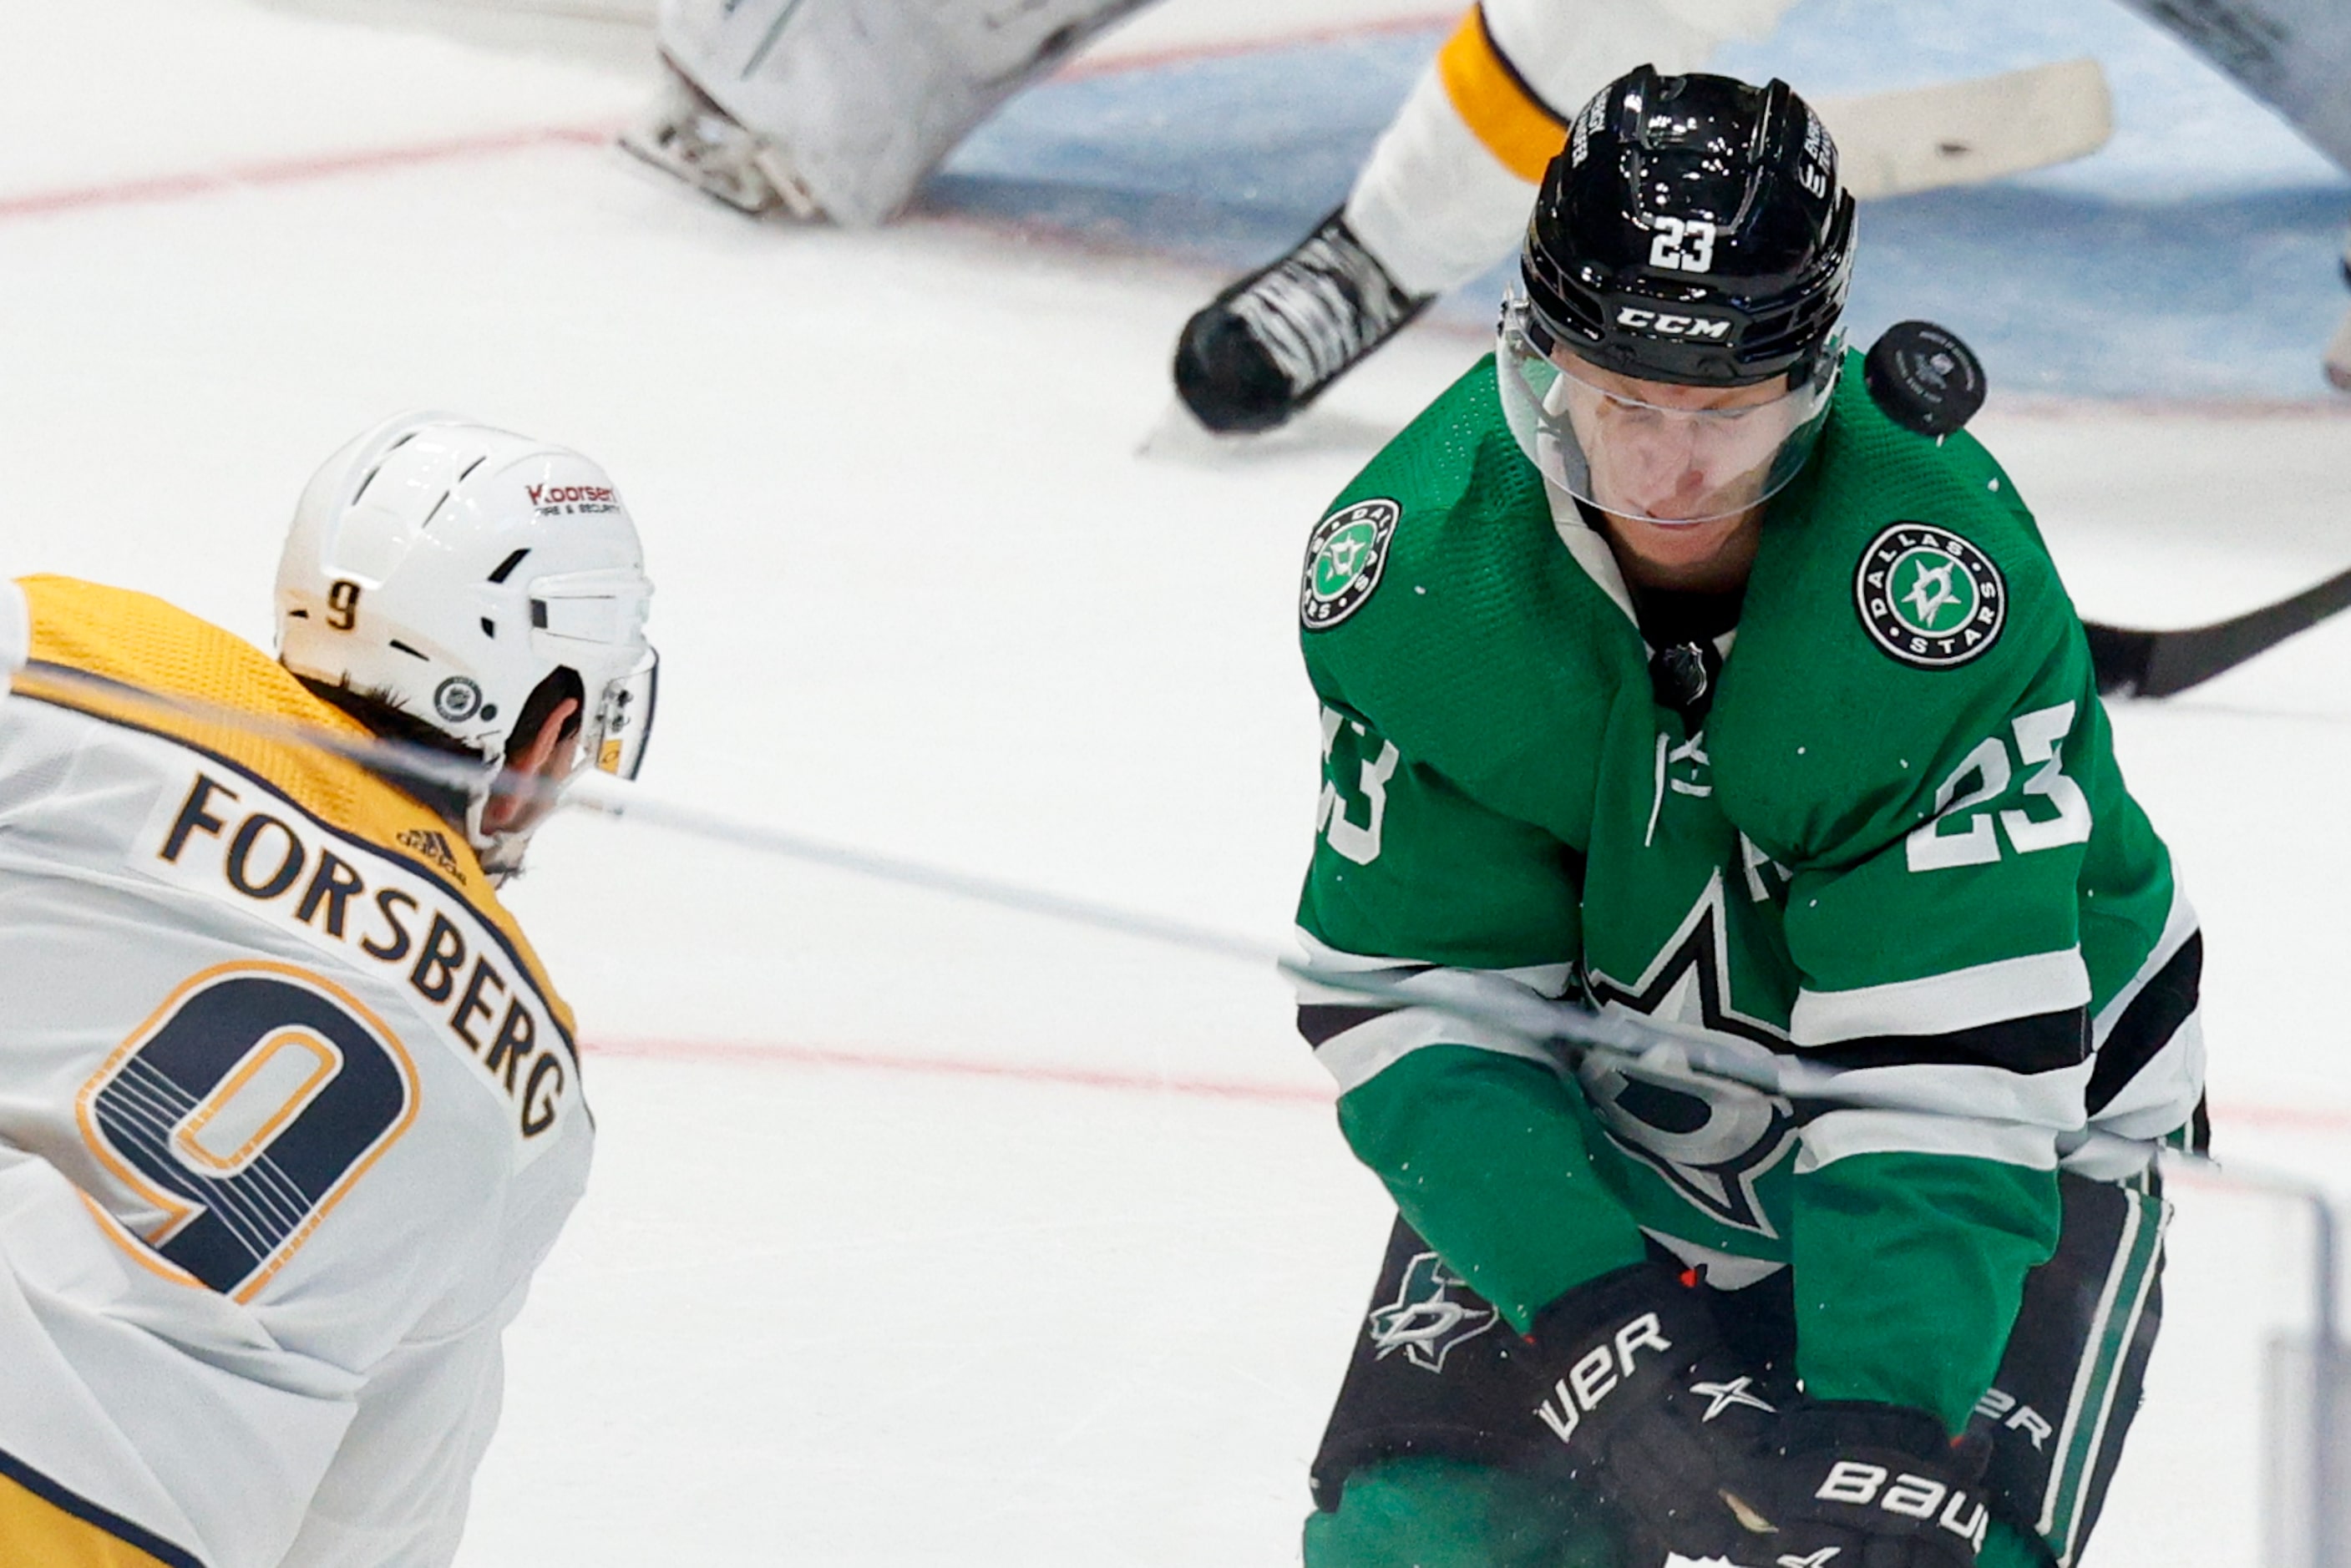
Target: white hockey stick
1966	132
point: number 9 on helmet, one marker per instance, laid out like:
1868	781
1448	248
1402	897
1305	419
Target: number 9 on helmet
468	579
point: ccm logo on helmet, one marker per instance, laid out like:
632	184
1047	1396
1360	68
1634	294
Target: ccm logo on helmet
1640	320
1596	1374
1910	1497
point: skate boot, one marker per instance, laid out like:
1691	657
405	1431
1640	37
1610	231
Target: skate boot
689	137
1269	344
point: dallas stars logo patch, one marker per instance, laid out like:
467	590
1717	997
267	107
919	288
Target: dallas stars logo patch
1928	598
1425	1321
1345	558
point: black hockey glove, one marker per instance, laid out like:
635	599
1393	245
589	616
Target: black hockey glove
1650	1407
1857	1485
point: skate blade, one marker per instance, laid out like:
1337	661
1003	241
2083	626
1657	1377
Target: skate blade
648	155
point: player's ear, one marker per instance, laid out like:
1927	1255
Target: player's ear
534	758
559	729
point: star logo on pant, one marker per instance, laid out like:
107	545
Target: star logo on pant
1425	1321
1817	1559
1721	1396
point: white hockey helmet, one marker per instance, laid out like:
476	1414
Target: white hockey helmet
448	568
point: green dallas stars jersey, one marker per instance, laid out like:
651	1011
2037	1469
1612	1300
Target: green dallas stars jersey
1896	844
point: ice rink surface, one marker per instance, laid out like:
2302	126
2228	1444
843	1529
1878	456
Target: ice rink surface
922	1233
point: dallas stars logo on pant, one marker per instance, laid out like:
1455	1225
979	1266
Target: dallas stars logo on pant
1425	1321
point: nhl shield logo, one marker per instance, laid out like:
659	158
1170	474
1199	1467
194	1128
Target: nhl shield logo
1425	1321
1928	598
456	699
1345	558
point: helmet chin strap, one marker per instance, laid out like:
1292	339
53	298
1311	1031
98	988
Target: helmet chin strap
562	737
500	853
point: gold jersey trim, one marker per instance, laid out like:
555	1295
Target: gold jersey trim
42	1521
1495	103
147	646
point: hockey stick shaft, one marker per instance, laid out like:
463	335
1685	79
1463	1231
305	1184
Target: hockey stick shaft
1655	1050
2133	663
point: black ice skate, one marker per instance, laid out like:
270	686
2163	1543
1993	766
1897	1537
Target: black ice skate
1269	344
688	136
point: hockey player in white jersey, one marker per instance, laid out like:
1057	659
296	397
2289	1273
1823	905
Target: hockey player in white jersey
288	1109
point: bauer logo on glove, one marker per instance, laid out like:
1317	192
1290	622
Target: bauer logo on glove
1597	1373
1858	1483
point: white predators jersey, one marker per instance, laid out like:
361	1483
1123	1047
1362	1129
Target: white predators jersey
288	1113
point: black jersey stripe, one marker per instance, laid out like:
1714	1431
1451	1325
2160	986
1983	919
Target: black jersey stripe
1322	1022
2148	1025
2044	1042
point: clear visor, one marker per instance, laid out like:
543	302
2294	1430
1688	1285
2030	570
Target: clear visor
624	718
1592	436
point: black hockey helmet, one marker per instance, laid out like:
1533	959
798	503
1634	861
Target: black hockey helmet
1691	235
1692	230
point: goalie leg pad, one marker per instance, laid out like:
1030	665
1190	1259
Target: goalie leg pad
863	98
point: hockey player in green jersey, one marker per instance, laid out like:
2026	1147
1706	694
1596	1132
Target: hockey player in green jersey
1660	668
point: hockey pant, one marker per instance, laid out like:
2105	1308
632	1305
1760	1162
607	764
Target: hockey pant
144	1421
865	97
1405	1474
1447	189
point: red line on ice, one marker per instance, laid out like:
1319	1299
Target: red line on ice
737	1054
297	171
187	185
2240	1114
2279	1118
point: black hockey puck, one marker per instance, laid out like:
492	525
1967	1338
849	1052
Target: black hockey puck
1924	378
